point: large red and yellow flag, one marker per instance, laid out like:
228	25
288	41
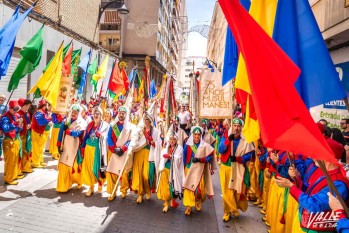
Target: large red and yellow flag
263	12
285	122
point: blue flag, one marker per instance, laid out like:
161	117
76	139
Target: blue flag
152	88
297	33
8	37
131	76
231	53
84	63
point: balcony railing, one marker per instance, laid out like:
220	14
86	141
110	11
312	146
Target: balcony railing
110	27
112	48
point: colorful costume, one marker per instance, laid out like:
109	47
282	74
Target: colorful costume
26	143
11	145
119	137
70	137
94	148
39	123
234	175
57	122
198	161
171	175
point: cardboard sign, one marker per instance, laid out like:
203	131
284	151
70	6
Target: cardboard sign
63	98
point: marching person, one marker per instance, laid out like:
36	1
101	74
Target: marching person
70	137
119	137
3	110
12	125
171	173
108	116
94	152
197	156
25	135
84	114
235	153
39	123
57	122
146	159
184	119
206	136
181	134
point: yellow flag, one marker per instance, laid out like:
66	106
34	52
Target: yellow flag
263	11
102	69
50	80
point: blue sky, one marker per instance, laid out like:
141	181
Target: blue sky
199	12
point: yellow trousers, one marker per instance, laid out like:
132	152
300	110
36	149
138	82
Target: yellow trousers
53	143
26	163
229	201
275	207
140	172
292	210
11	155
87	176
64	180
253	191
266	186
164	186
190	197
38	142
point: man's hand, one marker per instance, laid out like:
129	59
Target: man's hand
267	173
118	151
274	157
29	126
282	182
334	202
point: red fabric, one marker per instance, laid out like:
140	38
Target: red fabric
25	123
13	103
292	128
21	102
336	147
12	133
341	214
35	126
125	79
124	148
166	156
116	83
66	66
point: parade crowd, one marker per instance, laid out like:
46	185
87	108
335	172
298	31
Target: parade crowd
122	147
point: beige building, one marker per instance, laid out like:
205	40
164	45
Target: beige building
216	37
152	28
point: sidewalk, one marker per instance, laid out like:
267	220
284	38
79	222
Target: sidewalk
35	206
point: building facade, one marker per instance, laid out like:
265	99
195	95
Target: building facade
153	29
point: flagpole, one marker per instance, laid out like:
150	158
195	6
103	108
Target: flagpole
8	100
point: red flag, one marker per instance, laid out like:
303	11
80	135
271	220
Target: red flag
116	84
284	120
125	78
66	68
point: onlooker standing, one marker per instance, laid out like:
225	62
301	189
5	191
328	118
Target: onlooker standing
344	124
184	119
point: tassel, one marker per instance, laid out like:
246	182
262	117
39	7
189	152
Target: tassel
72	171
282	220
174	204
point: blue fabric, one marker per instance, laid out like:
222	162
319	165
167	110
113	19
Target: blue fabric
222	147
282	169
84	63
131	77
231	53
152	88
40	119
297	33
310	169
343	225
263	157
110	137
319	202
8	37
7	126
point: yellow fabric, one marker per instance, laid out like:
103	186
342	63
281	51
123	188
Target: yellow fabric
26	163
49	82
64	180
140	175
266	185
263	12
229	201
292	209
296	226
87	176
38	147
190	197
164	186
53	142
272	198
11	155
76	176
253	192
102	70
274	214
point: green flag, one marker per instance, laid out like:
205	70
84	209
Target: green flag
92	69
74	65
37	94
31	56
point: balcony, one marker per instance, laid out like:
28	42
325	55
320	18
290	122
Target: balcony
112	48
109	28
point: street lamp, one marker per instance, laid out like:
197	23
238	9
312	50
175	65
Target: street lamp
123	11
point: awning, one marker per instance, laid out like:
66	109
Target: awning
111	17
